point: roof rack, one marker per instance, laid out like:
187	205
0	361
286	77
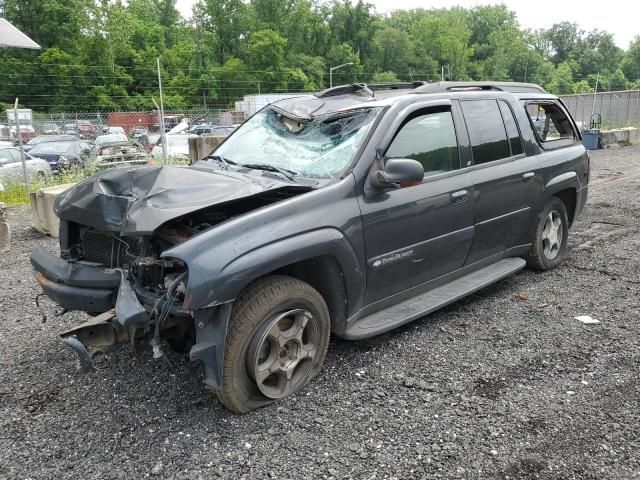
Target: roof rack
512	87
368	88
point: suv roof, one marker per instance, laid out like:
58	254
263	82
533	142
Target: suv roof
333	99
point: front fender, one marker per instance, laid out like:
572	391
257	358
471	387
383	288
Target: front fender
206	287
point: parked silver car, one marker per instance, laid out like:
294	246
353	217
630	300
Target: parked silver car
11	166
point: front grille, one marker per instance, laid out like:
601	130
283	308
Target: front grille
108	249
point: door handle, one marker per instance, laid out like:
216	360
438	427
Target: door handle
459	196
528	177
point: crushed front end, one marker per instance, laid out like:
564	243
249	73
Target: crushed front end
133	293
116	228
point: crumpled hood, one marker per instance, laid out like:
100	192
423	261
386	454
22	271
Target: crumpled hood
139	200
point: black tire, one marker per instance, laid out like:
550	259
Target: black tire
255	310
541	257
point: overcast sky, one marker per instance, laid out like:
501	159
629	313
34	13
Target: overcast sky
620	18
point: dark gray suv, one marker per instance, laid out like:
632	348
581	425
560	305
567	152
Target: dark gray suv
352	211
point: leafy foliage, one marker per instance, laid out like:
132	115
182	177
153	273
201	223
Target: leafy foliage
101	54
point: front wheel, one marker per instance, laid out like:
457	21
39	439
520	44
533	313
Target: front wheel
277	341
550	238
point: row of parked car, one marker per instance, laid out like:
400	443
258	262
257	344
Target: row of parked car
52	153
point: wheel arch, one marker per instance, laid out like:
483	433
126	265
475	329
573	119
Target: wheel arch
566	187
324	258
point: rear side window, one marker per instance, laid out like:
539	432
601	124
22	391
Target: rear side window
515	141
430	138
552	127
486	130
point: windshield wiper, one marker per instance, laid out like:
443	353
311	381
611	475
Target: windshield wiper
219	158
288	174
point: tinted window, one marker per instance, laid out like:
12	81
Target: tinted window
53	148
551	126
486	130
430	139
512	128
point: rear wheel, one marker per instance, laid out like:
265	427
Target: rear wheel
277	341
551	235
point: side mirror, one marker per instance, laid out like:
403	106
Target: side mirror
397	171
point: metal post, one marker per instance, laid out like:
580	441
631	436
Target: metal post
162	133
593	105
24	163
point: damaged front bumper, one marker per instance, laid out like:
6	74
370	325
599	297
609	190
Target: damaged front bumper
75	286
124	314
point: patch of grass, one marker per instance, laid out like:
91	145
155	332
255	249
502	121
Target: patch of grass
15	193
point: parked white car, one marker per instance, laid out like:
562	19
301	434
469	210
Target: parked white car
177	148
11	166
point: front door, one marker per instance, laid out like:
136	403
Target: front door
419	232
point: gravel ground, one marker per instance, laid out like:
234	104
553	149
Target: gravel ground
505	384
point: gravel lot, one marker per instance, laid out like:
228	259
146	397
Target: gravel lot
505	384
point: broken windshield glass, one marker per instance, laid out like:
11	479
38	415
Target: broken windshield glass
322	147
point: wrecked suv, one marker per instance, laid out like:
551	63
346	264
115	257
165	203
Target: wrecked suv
352	211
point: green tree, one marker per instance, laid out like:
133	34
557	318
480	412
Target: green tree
444	36
392	50
561	82
631	63
384	77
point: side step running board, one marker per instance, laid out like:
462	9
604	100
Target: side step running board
424	303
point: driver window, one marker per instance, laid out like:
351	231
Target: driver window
429	138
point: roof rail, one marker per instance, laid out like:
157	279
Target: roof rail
512	87
368	88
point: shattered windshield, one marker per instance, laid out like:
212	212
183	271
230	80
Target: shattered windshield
319	148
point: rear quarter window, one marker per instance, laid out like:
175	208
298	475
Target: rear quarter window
551	126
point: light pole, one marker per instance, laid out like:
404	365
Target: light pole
335	68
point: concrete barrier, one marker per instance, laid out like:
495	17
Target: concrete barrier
203	145
5	233
620	137
44	220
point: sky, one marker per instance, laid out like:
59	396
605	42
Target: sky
621	17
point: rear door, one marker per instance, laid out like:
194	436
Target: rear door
418	232
507	183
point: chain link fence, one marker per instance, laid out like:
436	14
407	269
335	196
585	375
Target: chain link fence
616	109
140	127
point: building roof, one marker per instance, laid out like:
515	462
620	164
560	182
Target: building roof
10	36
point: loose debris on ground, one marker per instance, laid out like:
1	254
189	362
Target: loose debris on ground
505	384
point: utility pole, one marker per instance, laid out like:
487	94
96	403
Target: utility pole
161	113
335	68
24	163
593	105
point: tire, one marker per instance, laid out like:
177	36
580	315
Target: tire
548	250
279	324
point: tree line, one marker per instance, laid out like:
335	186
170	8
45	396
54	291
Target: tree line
101	54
